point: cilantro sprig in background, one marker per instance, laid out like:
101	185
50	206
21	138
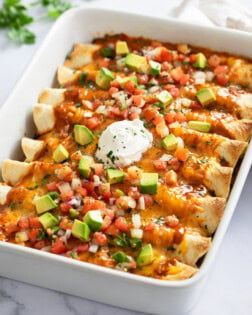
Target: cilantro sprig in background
15	17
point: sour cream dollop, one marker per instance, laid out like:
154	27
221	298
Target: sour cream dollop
123	143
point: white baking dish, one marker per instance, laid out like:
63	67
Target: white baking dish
83	279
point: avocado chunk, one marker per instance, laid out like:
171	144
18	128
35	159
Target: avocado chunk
199	125
85	166
155	67
73	213
108	52
83	135
48	220
123	81
145	257
120	257
60	154
170	142
135	62
165	97
103	78
80	230
201	61
148	183
93	219
45	203
122	48
115	176
205	96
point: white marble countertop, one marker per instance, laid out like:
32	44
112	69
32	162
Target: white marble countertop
229	286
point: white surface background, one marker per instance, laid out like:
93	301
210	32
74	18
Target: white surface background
229	286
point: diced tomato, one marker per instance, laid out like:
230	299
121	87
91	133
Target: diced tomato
33	235
220	69
98	168
76	156
177	73
136	100
184	79
93	123
66	195
195	105
193	58
115	84
222	79
148	200
65	173
64	208
96	103
106	223
104	189
172	221
171	178
65	224
134	116
109	213
214	61
130	86
134	193
121	224
139	92
165	55
181	154
150	226
134	172
11	227
170	117
174	163
82	191
173	91
160	165
40	244
180	117
162	130
100	238
89	186
112	230
122	203
92	204
52	186
113	90
142	79
149	114
58	247
81	248
158	120
34	222
23	223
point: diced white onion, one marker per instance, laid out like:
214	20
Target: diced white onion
76	183
199	77
46	248
74	202
135	182
177	63
175	125
180	142
93	248
141	203
66	236
186	102
21	237
136	220
120	63
101	109
64	186
153	89
135	109
97	181
61	232
112	201
136	233
87	104
153	81
87	114
209	76
131	202
119	213
166	157
184	124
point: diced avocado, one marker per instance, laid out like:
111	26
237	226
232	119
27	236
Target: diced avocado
85	166
145	257
122	48
135	62
103	78
201	61
83	135
165	97
119	192
170	142
60	154
120	257
155	67
199	126
148	183
80	230
115	176
93	219
48	220
73	213
126	79
54	194
45	203
108	52
205	96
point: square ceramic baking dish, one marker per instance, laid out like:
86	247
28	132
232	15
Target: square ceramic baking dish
83	279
